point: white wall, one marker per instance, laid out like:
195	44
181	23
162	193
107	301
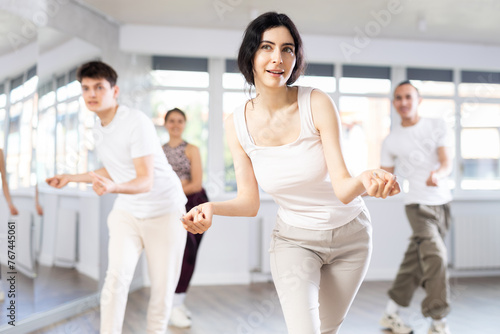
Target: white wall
13	64
318	48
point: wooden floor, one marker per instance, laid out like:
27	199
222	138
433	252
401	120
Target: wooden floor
254	309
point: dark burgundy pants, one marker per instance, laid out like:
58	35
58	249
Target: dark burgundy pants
192	245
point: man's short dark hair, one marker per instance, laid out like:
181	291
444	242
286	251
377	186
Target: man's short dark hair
97	70
407	82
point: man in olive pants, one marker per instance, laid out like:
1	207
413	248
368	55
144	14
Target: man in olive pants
417	151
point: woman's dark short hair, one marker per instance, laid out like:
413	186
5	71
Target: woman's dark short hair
97	70
253	37
174	110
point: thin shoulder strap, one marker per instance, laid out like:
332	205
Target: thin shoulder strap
304	101
241	128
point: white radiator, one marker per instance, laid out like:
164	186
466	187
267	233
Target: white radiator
25	257
476	240
66	248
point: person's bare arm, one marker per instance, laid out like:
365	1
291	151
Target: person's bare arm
375	182
247	201
61	180
5	186
194	185
444	169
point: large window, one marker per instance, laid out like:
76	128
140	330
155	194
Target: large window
480	130
65	143
365	107
320	76
3	115
182	83
236	93
20	109
437	88
469	101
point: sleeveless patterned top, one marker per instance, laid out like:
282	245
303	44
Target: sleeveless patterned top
177	158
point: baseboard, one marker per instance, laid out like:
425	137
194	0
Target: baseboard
222	279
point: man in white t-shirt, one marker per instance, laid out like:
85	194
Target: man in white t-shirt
418	151
150	200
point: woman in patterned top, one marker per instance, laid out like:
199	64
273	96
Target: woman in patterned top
186	162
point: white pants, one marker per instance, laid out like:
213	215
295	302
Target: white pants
318	273
163	239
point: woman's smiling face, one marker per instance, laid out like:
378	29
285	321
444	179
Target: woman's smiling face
275	58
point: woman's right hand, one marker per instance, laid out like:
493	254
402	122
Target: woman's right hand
380	183
198	219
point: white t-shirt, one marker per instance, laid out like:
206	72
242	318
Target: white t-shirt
130	135
412	151
296	174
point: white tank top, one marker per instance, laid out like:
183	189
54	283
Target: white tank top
296	174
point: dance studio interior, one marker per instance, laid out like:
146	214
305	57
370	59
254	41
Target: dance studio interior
183	54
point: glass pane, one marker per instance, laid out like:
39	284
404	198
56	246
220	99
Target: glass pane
233	81
434	108
479	90
15	110
13	153
365	123
326	84
480	144
480	115
3	113
180	78
72	151
88	154
61	139
62	93
480	164
3	100
25	144
195	105
16	94
47	100
231	101
30	86
434	88
469	184
365	86
87	117
45	149
74	89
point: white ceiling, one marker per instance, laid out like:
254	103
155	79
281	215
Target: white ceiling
15	32
468	21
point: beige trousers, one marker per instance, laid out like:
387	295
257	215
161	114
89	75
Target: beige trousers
163	239
318	273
